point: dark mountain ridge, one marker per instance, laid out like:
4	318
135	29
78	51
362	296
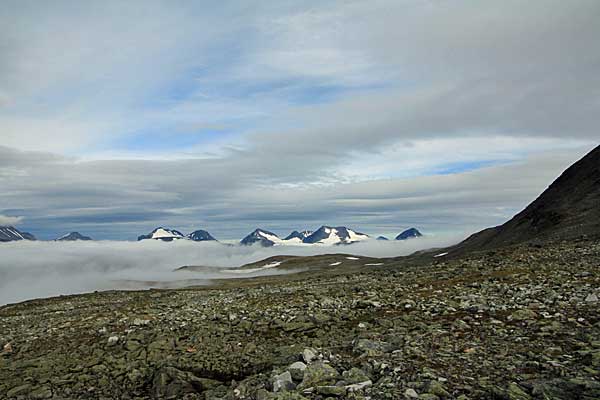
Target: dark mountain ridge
10	234
567	209
73	236
410	233
200	235
264	237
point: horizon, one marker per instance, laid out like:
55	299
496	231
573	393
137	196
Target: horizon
118	118
390	236
184	142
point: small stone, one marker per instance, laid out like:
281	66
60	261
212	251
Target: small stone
41	393
359	386
288	396
283	382
19	390
523	315
297	370
411	394
591	298
8	349
515	392
331	390
428	396
309	355
319	374
262	394
370	347
113	340
436	388
141	322
355	375
132	345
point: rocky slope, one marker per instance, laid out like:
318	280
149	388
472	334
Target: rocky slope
516	323
569	208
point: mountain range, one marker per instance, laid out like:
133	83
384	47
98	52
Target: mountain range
325	235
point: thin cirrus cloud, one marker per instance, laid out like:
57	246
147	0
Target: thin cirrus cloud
225	116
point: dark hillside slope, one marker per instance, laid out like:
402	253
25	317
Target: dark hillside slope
569	208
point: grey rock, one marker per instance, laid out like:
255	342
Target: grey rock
297	370
283	382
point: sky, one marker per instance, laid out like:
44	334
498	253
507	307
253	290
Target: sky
118	117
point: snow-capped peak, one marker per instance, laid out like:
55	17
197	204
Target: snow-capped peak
200	236
334	235
265	238
73	236
164	234
298	235
10	233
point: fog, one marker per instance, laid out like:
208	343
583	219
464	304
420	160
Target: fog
31	270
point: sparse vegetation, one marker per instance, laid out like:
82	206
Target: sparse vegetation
514	323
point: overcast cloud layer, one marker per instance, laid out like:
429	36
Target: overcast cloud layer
447	115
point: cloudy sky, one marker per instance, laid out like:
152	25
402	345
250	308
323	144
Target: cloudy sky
117	117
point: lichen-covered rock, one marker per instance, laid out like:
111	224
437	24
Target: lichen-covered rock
297	370
355	375
283	382
319	374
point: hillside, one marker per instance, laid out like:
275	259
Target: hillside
568	209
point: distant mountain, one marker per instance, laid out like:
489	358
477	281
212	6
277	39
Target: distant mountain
568	209
382	238
73	236
10	234
409	234
164	234
334	235
298	236
200	236
265	238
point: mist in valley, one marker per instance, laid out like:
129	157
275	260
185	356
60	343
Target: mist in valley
30	270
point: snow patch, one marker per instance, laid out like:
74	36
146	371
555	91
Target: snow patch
252	270
355	237
441	254
163	233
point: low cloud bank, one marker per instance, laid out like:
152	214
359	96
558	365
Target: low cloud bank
31	270
7	220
